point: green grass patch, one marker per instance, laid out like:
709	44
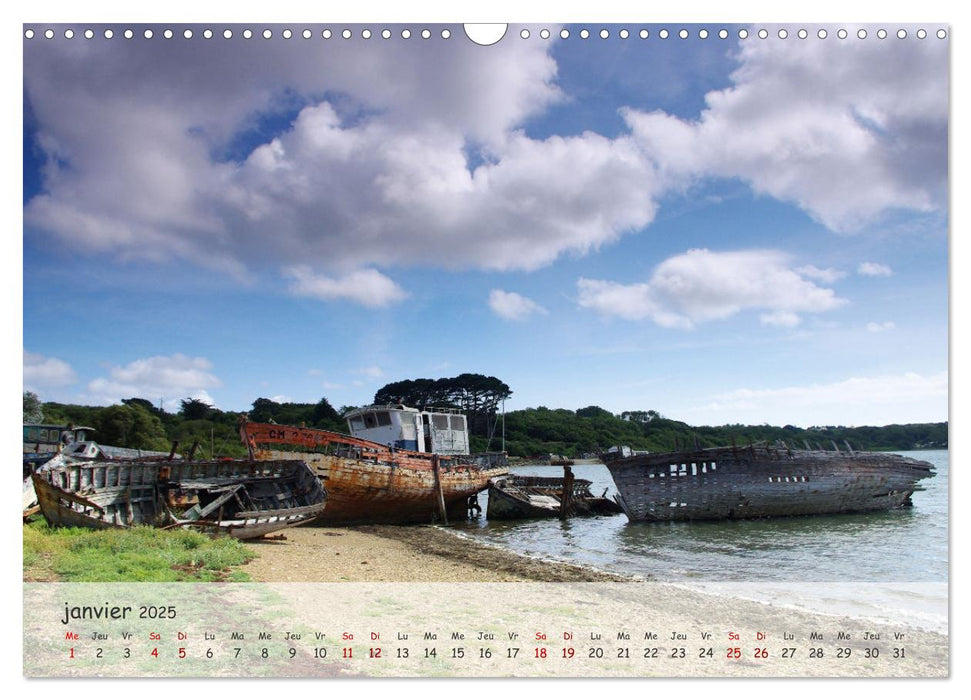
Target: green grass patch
136	554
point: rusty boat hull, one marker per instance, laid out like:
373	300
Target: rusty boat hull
761	482
239	498
371	483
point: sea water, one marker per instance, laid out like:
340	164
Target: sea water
883	550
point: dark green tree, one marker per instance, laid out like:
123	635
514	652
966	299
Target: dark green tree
144	403
130	426
195	409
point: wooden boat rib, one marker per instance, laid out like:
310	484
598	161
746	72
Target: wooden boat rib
518	497
762	481
372	483
240	498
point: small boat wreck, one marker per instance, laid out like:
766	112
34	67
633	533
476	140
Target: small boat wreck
79	451
760	481
240	498
516	497
398	465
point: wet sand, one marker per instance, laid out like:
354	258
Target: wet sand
399	554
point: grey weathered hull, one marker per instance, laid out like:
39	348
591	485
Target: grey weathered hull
516	497
760	482
254	498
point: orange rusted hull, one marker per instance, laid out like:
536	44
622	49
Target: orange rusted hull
371	483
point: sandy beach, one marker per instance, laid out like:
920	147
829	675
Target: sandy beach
405	554
425	556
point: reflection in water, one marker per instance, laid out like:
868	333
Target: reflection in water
902	545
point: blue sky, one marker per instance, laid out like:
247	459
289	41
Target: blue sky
722	230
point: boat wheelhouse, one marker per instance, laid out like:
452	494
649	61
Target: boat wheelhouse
41	438
440	431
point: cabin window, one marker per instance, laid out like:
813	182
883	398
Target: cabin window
357	423
370	421
383	417
674	468
29	434
458	423
439	421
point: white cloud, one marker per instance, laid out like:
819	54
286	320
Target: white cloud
176	376
821	125
702	285
827	275
876	400
421	158
366	287
40	371
874	327
512	306
281	398
872	269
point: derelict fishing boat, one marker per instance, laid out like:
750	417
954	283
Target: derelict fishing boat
240	498
399	465
515	497
761	481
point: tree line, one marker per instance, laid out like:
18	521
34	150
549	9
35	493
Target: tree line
529	432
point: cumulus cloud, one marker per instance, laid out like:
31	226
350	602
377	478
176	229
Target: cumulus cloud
702	285
512	306
40	371
872	269
827	275
909	397
176	375
366	287
820	124
420	157
415	157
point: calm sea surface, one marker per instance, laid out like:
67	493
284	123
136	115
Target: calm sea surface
909	545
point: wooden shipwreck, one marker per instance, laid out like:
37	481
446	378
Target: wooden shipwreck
240	498
420	470
516	497
761	481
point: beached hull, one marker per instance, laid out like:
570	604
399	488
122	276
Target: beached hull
373	492
524	497
760	482
253	498
370	483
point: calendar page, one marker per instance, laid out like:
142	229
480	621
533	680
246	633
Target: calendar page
383	350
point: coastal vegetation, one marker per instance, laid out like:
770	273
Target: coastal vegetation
529	432
137	554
